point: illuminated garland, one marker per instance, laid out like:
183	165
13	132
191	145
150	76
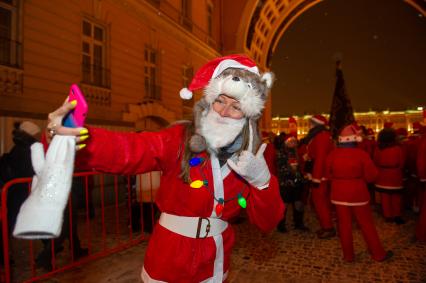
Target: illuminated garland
195	161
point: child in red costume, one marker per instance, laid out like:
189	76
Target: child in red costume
202	185
349	168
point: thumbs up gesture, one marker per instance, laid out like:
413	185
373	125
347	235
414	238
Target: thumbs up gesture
252	168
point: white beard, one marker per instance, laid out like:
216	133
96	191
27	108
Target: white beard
220	131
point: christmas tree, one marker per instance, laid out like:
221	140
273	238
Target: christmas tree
341	113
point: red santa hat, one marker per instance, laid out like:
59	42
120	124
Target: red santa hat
350	133
251	101
402	132
319	120
388	125
291	120
417	127
370	132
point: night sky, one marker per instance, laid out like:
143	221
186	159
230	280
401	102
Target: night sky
382	44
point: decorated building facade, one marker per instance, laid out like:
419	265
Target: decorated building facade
371	119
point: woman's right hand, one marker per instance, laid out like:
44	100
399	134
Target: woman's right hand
55	127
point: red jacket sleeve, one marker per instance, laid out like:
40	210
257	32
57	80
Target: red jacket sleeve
129	153
370	170
265	207
421	160
322	148
271	158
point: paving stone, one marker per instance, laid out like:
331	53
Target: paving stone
290	257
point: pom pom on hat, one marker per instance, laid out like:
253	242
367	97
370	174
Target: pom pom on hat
185	93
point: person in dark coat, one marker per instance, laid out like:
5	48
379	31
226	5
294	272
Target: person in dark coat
17	164
291	182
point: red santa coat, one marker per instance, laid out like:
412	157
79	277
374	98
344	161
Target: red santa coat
421	159
390	162
172	257
349	169
270	155
412	146
368	146
317	150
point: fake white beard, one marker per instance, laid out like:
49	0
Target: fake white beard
220	131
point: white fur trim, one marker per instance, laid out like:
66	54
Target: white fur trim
267	77
229	63
185	93
317	121
251	102
389	187
349	203
147	279
352	138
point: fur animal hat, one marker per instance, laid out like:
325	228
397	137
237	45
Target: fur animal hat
238	77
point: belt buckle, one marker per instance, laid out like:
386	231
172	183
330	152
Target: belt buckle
200	222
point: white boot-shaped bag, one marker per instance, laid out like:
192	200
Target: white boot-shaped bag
41	215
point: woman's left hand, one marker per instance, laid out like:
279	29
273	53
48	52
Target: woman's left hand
55	127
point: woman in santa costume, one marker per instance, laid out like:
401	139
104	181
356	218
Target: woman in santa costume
390	160
211	168
349	168
319	144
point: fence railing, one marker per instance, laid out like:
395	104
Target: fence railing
105	214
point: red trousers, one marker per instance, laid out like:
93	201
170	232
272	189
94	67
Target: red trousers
391	204
421	224
365	221
322	205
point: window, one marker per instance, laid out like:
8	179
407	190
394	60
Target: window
210	20
94	55
186	14
186	8
188	104
10	48
152	90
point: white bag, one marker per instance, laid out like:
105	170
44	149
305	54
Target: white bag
41	215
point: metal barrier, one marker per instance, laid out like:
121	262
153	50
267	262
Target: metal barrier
114	229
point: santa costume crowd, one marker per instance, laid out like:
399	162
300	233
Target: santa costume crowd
216	166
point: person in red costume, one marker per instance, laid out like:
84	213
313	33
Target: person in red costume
390	160
292	127
319	144
270	153
201	188
349	168
413	184
421	171
368	142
